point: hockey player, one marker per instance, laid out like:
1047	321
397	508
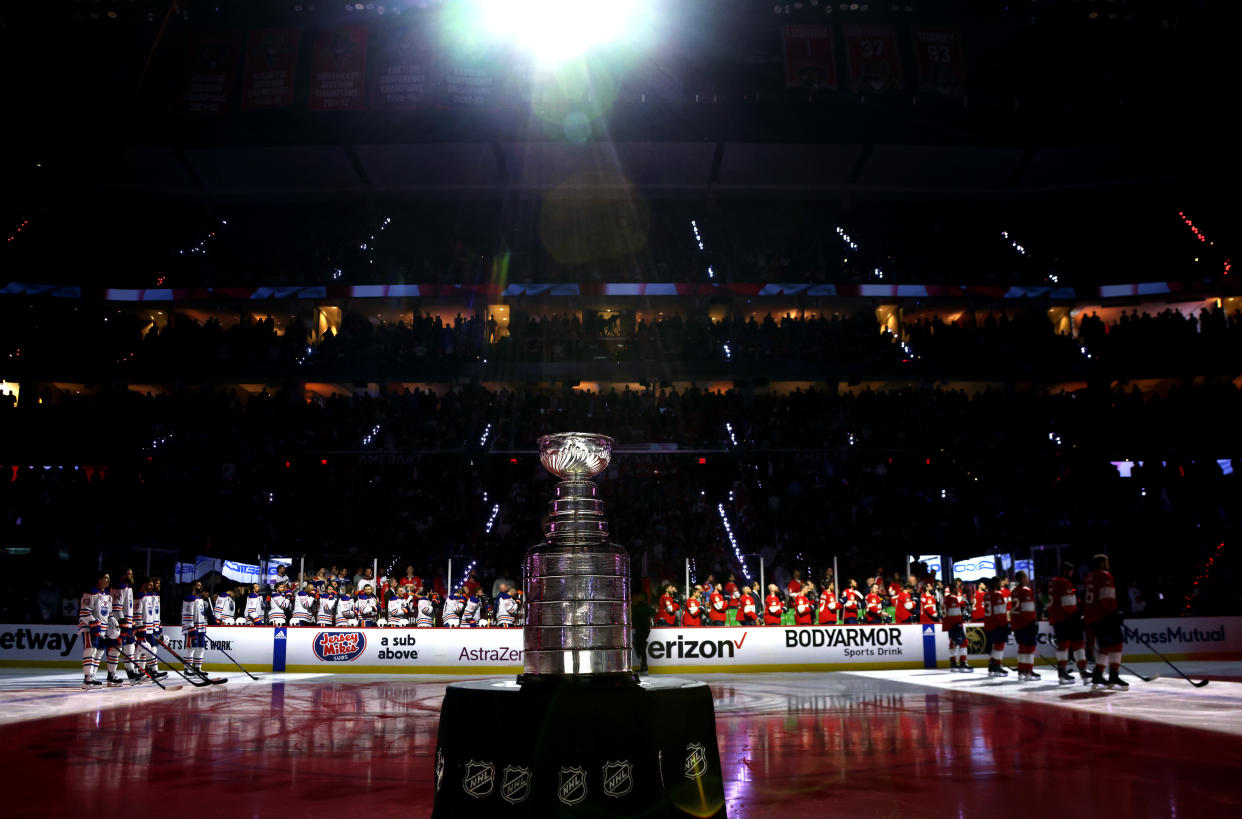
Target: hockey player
904	607
978	609
1066	622
506	608
148	631
717	610
398	609
667	614
804	612
93	614
851	603
875	604
1104	618
366	606
954	614
827	610
252	614
996	624
279	604
773	608
472	611
747	608
303	608
346	610
424	610
453	607
225	608
326	611
1025	629
194	626
693	615
929	612
123	611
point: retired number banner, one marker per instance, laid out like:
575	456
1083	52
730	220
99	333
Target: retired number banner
938	56
871	51
338	69
809	58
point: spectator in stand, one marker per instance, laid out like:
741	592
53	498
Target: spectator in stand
411	580
364	576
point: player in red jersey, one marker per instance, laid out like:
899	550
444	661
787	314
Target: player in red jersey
747	609
978	610
851	602
875	605
717	609
954	614
996	624
804	612
1022	618
1104	618
827	610
667	615
1007	592
692	617
1066	622
904	608
928	610
773	608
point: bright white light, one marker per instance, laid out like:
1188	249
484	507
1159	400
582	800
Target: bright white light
557	30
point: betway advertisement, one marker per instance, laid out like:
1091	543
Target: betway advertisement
1177	638
793	648
39	646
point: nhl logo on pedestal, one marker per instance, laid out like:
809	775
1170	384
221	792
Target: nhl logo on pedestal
479	778
439	768
515	784
618	778
572	786
696	760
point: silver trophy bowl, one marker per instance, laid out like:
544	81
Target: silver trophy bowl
577	583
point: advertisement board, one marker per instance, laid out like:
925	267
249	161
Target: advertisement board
494	651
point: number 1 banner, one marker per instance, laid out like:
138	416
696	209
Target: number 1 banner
809	59
871	52
938	55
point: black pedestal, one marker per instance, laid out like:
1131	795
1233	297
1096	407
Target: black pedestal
578	748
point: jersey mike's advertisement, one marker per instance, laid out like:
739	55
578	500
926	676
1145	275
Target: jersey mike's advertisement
1177	638
798	648
405	650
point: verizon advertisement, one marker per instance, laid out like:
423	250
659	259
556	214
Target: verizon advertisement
1177	638
798	648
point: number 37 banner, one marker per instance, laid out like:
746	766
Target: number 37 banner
871	53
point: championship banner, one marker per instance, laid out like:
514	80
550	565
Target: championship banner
210	63
940	61
809	59
871	53
271	61
404	70
338	69
469	84
1177	638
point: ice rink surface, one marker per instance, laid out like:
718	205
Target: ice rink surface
878	743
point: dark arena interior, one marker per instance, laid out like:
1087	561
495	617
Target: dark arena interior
621	408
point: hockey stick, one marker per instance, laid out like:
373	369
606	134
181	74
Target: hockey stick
1199	684
155	679
186	665
1134	673
143	668
239	665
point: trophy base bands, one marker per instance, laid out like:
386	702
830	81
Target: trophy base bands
579	748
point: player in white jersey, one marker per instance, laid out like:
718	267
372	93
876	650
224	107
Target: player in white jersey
254	606
303	609
147	628
279	604
327	607
452	609
194	626
398	610
506	608
93	614
426	611
346	613
225	608
470	614
366	606
123	611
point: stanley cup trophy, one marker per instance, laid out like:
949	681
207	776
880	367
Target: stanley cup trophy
577	734
577	583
